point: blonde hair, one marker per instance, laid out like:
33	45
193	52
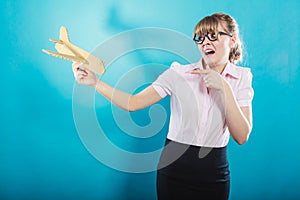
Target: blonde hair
210	24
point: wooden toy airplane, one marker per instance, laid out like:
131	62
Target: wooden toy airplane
67	50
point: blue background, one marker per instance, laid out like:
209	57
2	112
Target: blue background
41	155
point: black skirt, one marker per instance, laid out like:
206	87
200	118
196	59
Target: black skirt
192	172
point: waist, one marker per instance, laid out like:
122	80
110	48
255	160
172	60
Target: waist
206	164
200	152
204	138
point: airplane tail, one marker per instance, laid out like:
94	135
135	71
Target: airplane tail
64	35
63	44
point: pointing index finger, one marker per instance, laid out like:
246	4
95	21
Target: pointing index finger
199	71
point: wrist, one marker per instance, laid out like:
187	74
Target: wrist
96	84
224	86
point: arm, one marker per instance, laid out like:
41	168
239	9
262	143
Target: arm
121	99
127	101
239	119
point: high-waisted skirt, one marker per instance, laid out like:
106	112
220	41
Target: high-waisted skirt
199	173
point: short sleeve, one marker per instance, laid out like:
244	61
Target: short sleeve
245	92
163	84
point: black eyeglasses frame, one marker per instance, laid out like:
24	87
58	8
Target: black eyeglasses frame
197	41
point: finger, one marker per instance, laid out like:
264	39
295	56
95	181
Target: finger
82	68
199	71
207	81
80	77
82	73
88	71
76	66
207	78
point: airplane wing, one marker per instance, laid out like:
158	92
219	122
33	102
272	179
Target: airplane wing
65	56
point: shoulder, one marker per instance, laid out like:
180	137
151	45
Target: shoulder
244	77
238	71
245	73
243	70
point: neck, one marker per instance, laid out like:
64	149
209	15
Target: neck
217	67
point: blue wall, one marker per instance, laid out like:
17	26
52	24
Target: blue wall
42	155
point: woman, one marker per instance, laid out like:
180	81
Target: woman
210	101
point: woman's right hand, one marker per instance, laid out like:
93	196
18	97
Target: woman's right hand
84	76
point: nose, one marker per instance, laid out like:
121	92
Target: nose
206	41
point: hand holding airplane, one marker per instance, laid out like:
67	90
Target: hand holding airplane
67	50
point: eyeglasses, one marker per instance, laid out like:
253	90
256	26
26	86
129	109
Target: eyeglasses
211	36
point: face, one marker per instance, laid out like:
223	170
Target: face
216	53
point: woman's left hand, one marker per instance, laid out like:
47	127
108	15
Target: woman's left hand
212	78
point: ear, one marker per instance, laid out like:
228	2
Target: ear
232	41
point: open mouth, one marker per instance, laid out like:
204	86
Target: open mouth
209	52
